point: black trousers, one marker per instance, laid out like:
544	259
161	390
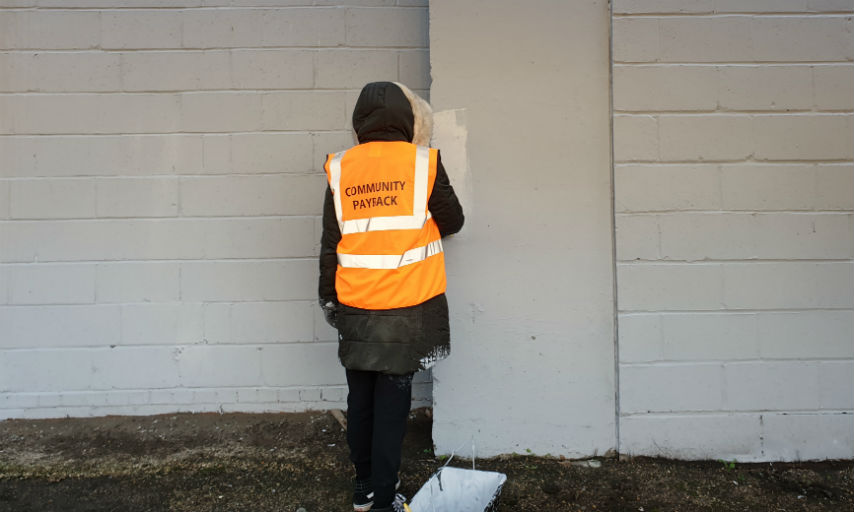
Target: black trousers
377	408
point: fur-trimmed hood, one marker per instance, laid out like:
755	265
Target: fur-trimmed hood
390	111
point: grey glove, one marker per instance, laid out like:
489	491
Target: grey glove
330	311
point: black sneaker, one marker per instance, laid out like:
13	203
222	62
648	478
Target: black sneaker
363	495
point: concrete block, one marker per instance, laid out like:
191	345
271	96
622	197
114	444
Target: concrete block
93	113
359	3
352	69
309	395
221	28
637	237
387	27
217	322
218	365
175	323
706	39
668	388
788	285
137	29
834	380
259	322
136	282
319	26
699	137
272	69
112	4
103	240
287	395
313	110
795	6
260	3
272	153
45	29
170	396
137	197
833	85
302	364
330	142
60	71
7	113
58	326
103	155
413	68
653	87
5	285
422	394
216	151
214	395
771	385
333	394
654	187
636	137
829	5
693	437
175	70
256	395
636	40
45	284
156	239
764	87
134	368
5	199
709	336
260	238
677	286
808	38
45	370
768	186
697	236
662	6
804	137
220	111
792	437
640	338
833	186
252	195
249	280
805	334
52	198
422	376
12	78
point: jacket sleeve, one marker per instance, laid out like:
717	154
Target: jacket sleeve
443	204
328	245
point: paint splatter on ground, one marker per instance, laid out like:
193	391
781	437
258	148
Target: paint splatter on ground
266	462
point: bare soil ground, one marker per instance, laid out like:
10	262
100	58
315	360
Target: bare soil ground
283	462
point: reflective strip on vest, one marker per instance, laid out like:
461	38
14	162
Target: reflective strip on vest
414	221
390	261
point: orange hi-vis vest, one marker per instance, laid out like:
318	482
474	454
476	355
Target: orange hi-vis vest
390	253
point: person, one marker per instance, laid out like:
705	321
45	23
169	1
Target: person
382	279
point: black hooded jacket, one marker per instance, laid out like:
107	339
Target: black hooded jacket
400	340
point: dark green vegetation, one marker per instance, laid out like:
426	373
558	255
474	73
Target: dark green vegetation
281	462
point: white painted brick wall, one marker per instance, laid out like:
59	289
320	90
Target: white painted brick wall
734	194
160	192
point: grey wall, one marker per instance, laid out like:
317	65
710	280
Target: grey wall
161	186
531	275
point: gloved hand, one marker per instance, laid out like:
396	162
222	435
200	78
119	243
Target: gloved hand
330	311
